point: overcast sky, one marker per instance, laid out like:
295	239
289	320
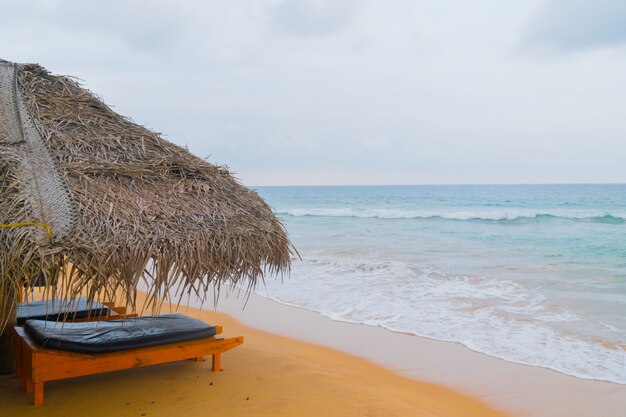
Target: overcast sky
354	92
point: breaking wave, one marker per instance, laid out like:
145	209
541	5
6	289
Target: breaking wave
482	215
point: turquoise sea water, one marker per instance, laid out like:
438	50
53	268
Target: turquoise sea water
533	274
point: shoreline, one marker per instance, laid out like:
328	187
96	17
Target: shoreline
407	333
517	389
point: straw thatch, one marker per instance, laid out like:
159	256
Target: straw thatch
124	205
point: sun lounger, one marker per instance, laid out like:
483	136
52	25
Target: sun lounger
48	351
63	310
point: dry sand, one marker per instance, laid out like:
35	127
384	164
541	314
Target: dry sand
269	375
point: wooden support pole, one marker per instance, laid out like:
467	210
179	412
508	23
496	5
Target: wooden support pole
7	362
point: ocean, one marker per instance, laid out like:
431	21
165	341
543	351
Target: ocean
533	274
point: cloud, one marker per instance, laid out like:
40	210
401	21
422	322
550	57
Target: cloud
134	24
571	25
343	91
312	17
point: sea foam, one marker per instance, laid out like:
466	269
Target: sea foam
497	317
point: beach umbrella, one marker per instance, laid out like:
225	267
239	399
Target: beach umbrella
107	205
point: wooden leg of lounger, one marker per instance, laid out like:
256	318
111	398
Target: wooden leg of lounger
22	364
216	362
26	368
38	397
28	384
23	382
26	354
199	359
17	354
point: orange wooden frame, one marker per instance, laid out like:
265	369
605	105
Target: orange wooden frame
36	365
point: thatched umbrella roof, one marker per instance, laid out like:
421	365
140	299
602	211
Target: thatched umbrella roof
122	204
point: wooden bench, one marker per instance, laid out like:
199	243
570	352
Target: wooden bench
36	364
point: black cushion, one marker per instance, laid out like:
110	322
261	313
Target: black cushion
60	309
115	335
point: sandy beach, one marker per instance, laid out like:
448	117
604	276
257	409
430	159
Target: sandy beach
303	364
270	375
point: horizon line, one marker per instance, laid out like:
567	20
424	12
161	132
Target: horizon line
434	184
